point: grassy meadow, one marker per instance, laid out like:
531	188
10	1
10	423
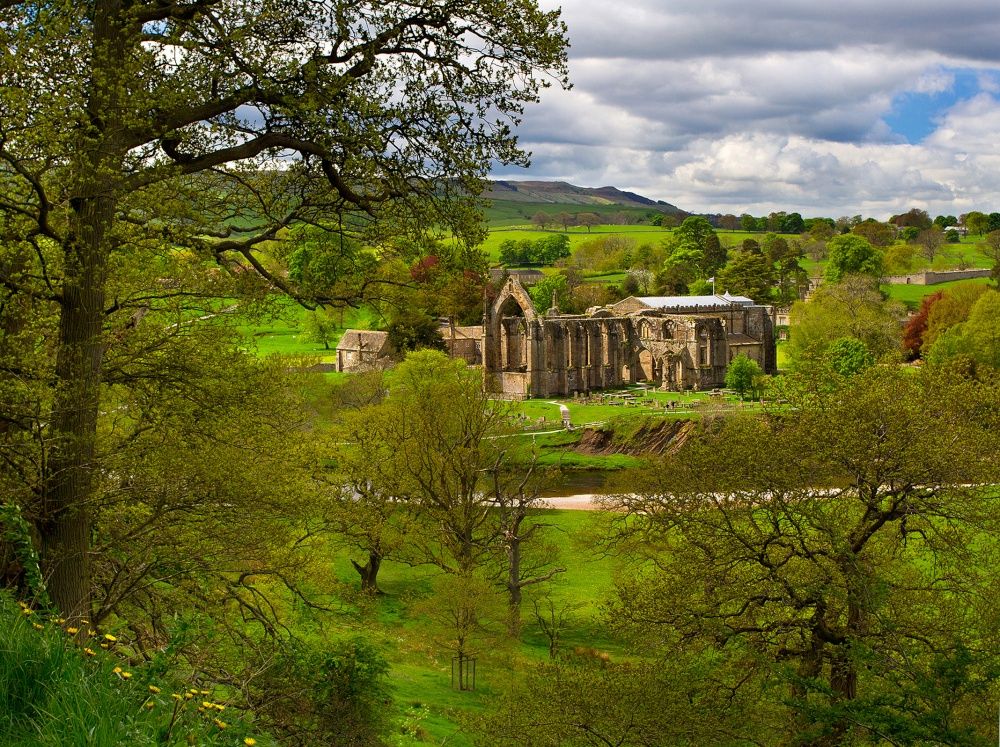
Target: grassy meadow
399	621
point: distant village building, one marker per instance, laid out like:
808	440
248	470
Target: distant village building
679	342
464	342
361	349
524	277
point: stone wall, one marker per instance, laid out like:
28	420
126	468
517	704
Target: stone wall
931	277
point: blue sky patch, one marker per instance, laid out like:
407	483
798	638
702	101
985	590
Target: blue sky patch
914	115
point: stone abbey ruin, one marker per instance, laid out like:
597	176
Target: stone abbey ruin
672	342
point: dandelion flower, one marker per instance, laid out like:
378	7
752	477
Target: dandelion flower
38	626
126	675
89	652
27	611
220	724
109	637
205	692
117	670
104	645
154	689
175	696
188	696
72	631
249	741
149	704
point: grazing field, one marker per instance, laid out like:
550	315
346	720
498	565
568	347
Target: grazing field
912	295
284	332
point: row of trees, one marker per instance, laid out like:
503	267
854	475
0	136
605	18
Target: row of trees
534	252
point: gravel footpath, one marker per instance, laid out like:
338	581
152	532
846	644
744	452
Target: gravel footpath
579	502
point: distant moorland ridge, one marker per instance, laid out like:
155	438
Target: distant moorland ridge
564	193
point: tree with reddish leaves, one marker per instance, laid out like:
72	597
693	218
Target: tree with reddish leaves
913	333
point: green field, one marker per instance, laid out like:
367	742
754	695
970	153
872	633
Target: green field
912	295
283	332
577	235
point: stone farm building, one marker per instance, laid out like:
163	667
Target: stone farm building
679	342
360	349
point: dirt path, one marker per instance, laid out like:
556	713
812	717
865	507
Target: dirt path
579	502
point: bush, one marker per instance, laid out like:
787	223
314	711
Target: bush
314	694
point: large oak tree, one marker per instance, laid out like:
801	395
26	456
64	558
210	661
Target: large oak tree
129	128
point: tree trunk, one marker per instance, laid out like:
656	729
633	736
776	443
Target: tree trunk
514	588
369	573
65	528
69	492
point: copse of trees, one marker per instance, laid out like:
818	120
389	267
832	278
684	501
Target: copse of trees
526	252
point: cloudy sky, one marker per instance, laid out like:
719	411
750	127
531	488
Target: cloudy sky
826	108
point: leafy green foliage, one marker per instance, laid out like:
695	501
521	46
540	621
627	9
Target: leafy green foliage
852	255
848	356
977	338
333	693
548	288
853	308
743	375
413	330
824	574
544	251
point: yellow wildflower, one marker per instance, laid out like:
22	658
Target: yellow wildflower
126	675
89	652
188	696
27	610
104	645
117	670
72	631
175	696
149	704
249	741
205	692
220	724
154	689
109	637
38	626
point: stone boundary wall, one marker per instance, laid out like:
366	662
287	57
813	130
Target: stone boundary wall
933	278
